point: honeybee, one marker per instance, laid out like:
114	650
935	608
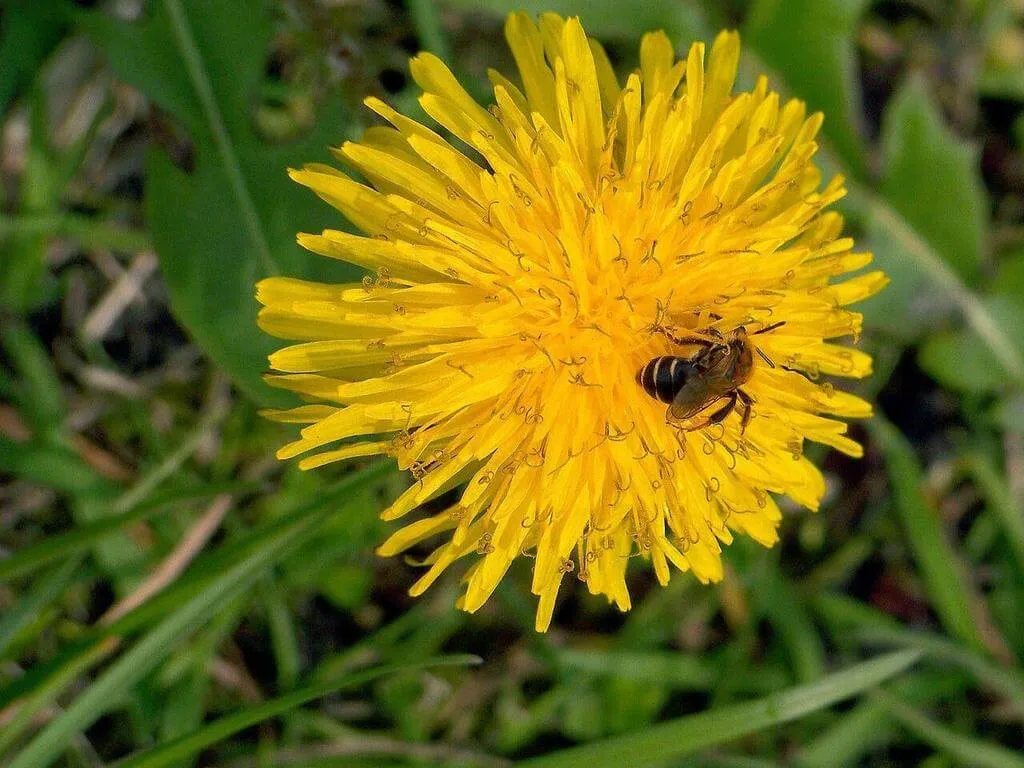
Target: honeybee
719	370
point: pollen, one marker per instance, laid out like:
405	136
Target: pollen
525	261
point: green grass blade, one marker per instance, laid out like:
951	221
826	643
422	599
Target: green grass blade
686	735
839	613
45	694
869	726
84	536
214	410
330	501
675	670
49	744
1008	682
1000	500
720	760
41	595
34	364
89	231
53	466
964	749
426	17
227	726
283	638
788	616
940	567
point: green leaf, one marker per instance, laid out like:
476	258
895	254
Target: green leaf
1010	413
675	738
683	22
933	181
23	268
426	18
184	705
958	360
233	219
31	29
812	45
672	671
940	568
1009	278
346	586
1002	84
928	273
55	467
199	740
283	639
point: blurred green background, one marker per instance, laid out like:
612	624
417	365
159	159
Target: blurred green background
171	595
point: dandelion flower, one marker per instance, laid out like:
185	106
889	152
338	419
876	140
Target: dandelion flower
523	273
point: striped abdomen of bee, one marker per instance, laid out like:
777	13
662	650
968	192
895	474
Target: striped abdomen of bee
664	376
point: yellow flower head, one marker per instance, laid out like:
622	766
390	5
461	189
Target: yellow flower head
525	275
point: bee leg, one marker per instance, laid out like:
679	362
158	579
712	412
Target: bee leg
683	340
720	415
706	421
747	404
769	328
764	357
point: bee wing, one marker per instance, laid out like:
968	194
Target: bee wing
685	405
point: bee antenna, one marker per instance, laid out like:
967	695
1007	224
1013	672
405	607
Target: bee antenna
768	328
765	357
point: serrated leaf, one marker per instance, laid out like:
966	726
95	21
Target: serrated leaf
232	220
812	45
959	361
